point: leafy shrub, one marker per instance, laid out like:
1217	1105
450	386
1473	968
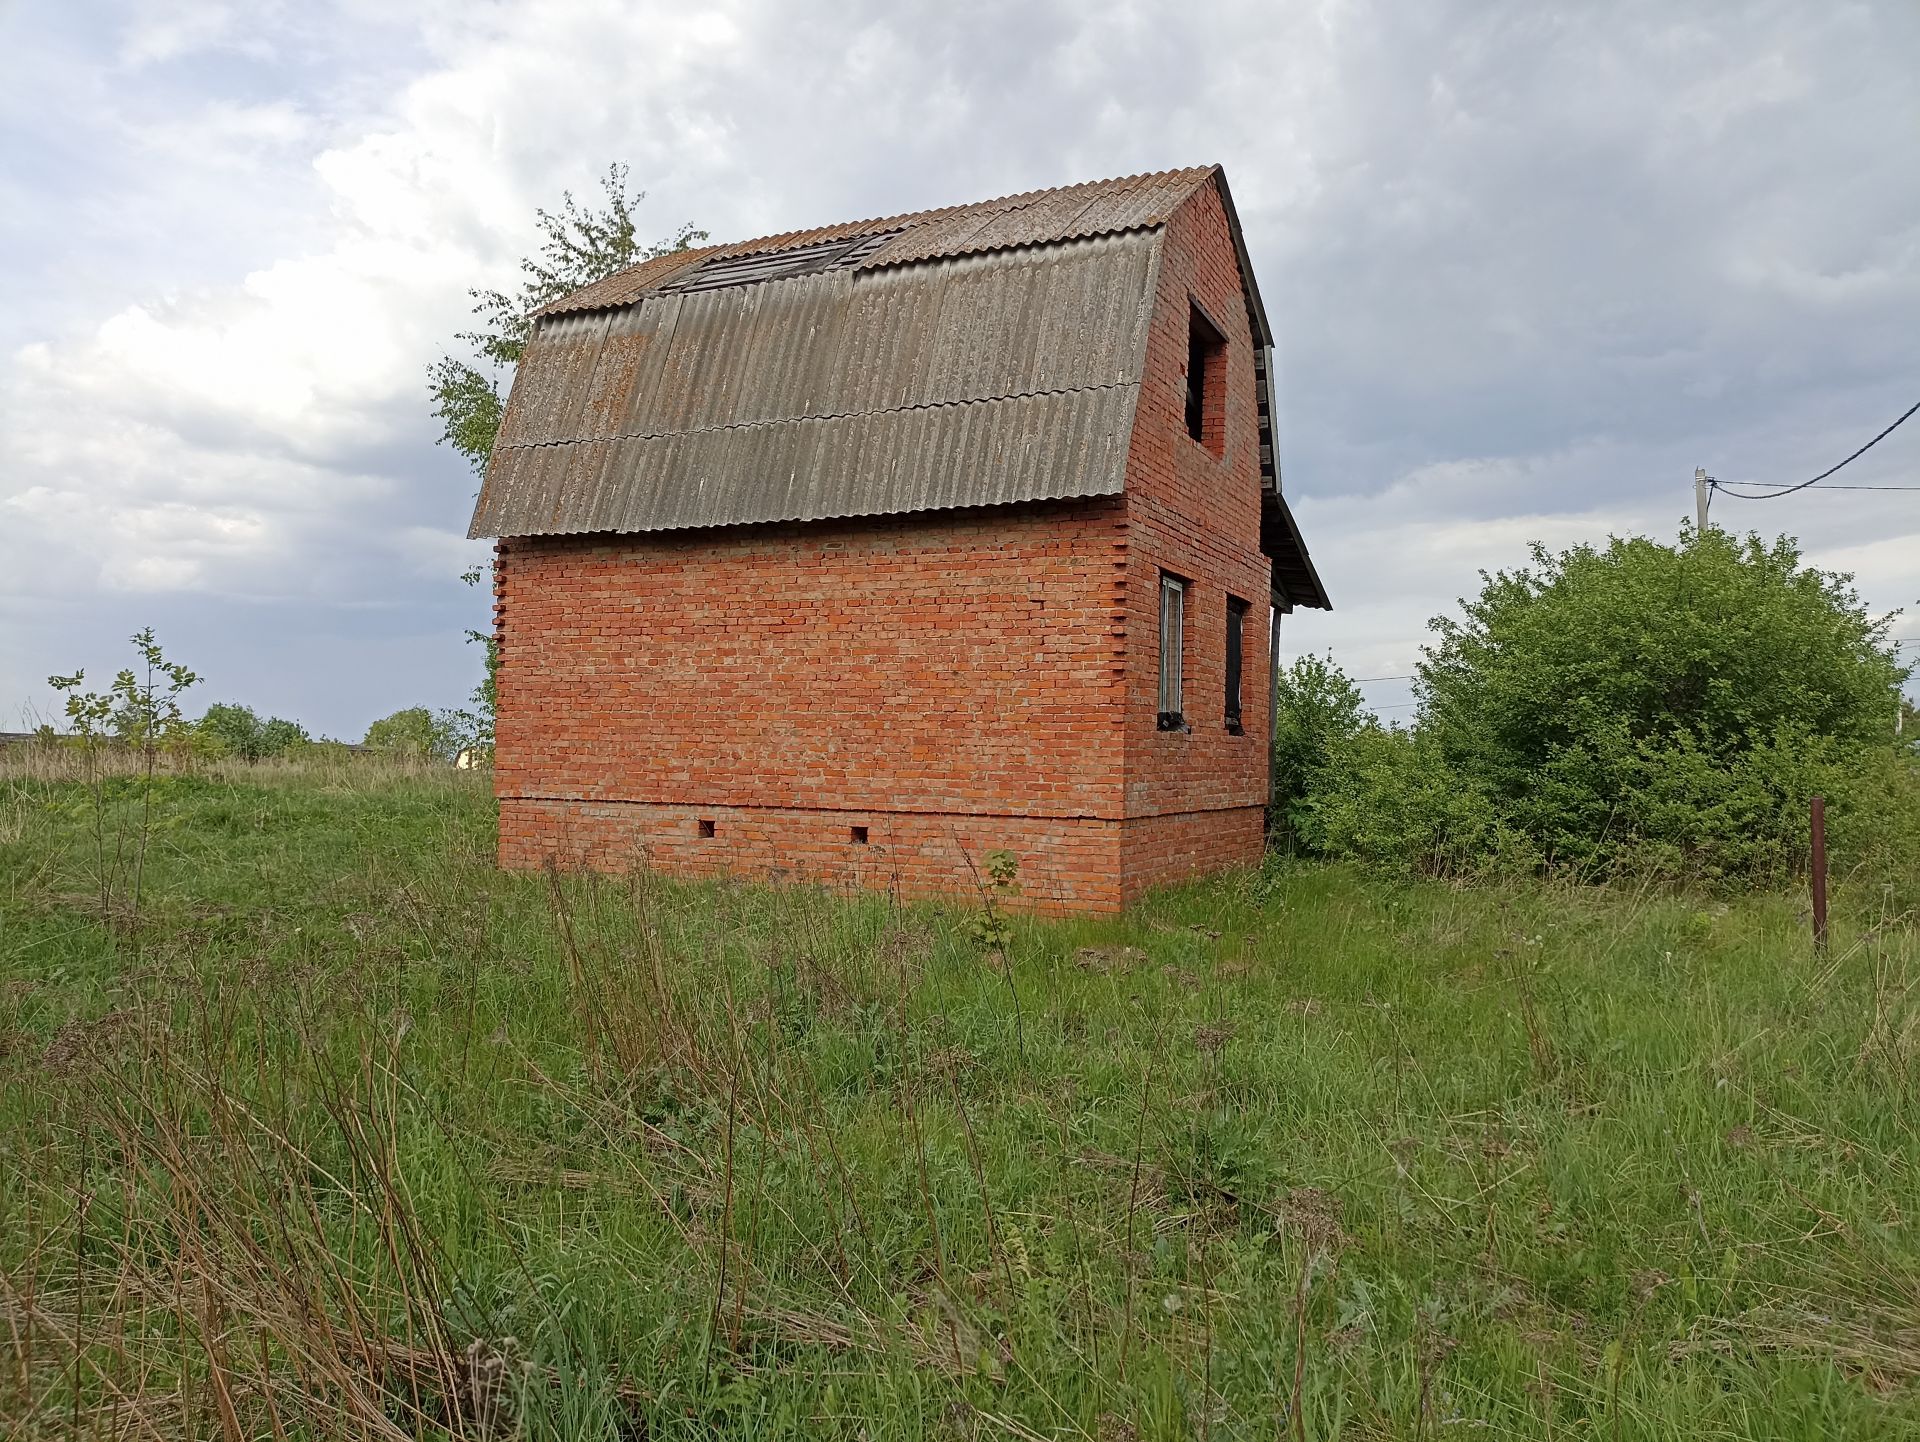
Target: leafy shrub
1874	830
1728	639
1665	709
1665	705
235	730
416	731
1316	708
281	737
1386	797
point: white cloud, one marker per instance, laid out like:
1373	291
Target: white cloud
225	134
162	30
1529	267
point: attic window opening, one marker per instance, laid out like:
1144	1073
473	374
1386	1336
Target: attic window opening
1206	381
723	271
706	827
858	835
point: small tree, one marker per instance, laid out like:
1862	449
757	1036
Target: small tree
231	729
417	732
140	709
579	245
1316	707
280	736
235	730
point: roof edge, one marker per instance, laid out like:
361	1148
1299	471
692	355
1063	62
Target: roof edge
1280	532
1256	308
785	239
823	520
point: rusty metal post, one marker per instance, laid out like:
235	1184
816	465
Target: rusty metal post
1819	877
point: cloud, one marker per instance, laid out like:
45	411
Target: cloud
172	29
1530	264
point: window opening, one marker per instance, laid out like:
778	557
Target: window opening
1236	644
1206	388
1173	627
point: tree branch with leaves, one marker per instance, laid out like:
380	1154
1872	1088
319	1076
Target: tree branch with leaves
581	242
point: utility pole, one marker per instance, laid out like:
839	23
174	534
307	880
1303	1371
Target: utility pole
1700	497
1818	870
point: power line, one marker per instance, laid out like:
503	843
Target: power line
1785	486
1407	677
1789	490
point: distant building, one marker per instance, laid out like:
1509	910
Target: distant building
854	553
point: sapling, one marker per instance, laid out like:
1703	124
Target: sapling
140	709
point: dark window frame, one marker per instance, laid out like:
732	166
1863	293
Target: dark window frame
1236	664
1173	644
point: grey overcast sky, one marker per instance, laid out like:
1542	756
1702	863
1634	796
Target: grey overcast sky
1529	265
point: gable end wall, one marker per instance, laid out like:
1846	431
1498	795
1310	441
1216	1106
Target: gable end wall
1195	799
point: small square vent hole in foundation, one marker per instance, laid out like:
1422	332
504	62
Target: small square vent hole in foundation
706	826
859	836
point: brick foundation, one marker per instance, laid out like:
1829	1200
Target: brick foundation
1084	864
1065	864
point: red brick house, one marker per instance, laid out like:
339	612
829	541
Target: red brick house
854	553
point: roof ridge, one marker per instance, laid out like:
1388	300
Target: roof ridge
1010	201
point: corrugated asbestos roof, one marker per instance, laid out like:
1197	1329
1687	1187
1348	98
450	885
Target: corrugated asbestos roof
966	380
974	355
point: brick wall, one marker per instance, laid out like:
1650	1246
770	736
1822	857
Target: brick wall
933	677
1195	796
1156	850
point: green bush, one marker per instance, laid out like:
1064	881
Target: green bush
1672	706
280	738
1316	708
416	731
1728	639
1874	834
228	729
1386	797
1643	707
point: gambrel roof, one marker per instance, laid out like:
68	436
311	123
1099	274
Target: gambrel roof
975	355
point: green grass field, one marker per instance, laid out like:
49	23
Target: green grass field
344	1134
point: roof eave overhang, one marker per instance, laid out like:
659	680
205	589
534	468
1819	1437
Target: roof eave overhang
1295	581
